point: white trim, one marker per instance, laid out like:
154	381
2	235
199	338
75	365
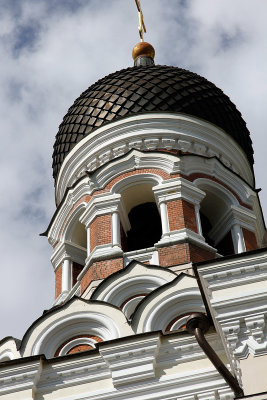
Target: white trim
78	318
166	162
199	226
130	285
149	254
236	291
238	239
164	217
184	235
6	355
122	370
115	229
101	252
68	250
234	216
77	342
99	205
178	188
151	131
66	275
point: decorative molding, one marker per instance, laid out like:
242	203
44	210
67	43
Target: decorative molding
139	356
184	235
68	250
160	307
77	342
77	318
144	255
101	204
19	378
65	296
149	132
234	215
185	165
236	290
99	253
136	278
178	188
147	366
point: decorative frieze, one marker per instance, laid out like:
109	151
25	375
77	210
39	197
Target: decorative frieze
236	291
156	132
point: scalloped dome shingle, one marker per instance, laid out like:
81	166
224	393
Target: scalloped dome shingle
148	89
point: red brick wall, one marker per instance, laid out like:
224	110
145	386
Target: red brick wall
81	347
100	270
198	254
58	281
250	240
181	215
182	253
100	231
172	255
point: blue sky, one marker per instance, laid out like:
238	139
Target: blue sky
52	50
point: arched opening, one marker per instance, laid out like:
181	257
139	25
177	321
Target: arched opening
79	235
212	210
79	238
145	226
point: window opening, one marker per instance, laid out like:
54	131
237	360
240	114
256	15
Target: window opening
145	226
212	209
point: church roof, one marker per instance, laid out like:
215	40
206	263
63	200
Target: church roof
154	88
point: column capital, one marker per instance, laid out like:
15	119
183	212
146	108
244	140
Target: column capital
235	215
178	188
67	251
101	204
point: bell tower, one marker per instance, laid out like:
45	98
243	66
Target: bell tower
157	237
153	164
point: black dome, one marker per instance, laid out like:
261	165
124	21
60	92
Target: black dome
148	89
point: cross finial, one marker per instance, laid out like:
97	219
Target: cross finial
141	27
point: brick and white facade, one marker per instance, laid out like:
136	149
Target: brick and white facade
117	328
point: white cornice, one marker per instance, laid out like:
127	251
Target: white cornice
236	291
140	357
178	188
184	235
68	250
100	205
137	160
151	366
151	132
19	378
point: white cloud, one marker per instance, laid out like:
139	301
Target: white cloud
50	52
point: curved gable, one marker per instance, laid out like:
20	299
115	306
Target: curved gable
163	307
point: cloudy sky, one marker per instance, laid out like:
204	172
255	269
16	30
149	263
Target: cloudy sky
52	50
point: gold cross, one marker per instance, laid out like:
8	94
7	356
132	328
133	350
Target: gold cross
141	27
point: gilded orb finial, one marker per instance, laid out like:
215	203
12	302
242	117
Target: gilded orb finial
143	49
143	53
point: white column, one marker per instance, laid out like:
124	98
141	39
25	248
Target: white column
67	275
115	229
199	227
164	218
88	241
238	239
